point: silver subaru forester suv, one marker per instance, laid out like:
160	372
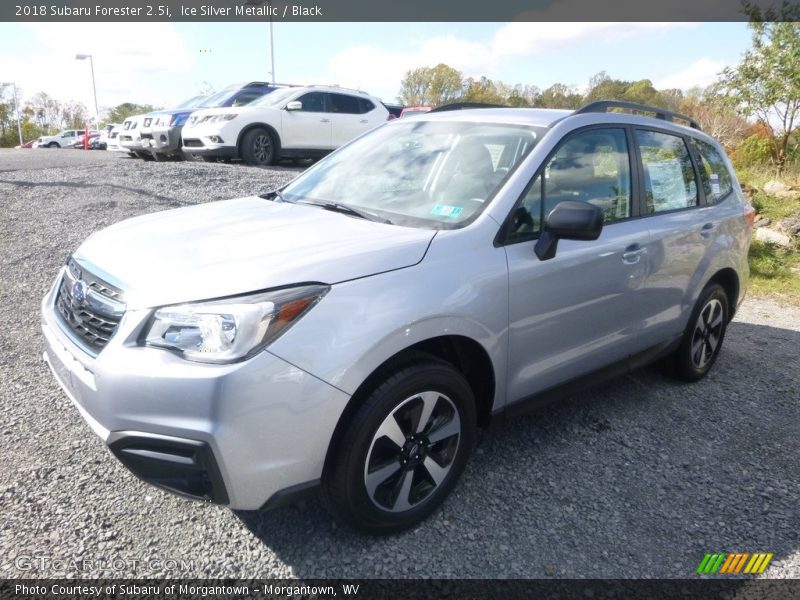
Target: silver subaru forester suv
352	330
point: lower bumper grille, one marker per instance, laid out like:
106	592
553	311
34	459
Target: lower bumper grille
193	143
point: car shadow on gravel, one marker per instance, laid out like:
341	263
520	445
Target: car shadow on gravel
639	477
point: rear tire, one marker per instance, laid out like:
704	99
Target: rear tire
403	450
702	340
259	148
53	145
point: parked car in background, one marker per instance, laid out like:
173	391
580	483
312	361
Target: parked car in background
166	141
78	143
293	121
130	139
112	144
102	142
62	139
410	111
395	110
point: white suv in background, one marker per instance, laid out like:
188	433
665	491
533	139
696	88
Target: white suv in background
62	139
296	121
130	138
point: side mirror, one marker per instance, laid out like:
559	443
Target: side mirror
294	105
569	220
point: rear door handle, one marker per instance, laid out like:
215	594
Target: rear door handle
364	121
705	230
633	253
324	120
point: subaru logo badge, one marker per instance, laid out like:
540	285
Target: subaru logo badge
79	292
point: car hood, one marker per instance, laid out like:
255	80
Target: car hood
237	246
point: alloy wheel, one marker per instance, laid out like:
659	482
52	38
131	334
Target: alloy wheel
412	451
707	333
262	148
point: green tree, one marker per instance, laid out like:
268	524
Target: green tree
484	90
431	86
766	83
127	109
559	95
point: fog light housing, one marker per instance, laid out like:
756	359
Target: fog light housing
216	139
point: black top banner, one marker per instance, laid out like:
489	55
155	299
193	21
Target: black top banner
399	11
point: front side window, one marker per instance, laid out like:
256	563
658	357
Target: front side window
714	174
591	166
312	102
247	97
418	173
669	181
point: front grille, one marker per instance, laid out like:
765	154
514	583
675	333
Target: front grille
125	138
94	315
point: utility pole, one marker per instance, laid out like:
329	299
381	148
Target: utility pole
94	87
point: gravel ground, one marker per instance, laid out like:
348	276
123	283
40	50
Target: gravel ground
638	478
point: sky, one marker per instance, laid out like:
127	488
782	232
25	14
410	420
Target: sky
164	63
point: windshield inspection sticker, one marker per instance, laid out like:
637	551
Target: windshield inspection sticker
443	210
715	184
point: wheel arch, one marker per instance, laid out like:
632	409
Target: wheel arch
463	353
276	138
729	280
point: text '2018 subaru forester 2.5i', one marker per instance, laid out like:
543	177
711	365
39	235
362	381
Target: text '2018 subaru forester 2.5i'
352	330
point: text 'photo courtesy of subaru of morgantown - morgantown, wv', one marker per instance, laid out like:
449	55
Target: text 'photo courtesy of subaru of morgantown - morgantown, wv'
352	331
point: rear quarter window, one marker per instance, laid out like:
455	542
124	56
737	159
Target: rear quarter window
714	175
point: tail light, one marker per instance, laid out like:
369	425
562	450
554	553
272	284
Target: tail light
750	215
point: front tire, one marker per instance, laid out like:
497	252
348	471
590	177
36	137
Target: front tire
702	340
259	148
403	450
53	145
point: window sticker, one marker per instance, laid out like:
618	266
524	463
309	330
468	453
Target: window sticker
715	187
443	210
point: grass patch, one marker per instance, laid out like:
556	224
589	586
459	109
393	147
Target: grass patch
774	271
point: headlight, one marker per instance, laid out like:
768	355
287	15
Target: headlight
166	120
229	330
220	118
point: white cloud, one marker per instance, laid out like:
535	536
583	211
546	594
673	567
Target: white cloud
702	72
124	55
380	71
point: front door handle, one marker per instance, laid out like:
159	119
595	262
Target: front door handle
633	254
364	121
705	230
324	120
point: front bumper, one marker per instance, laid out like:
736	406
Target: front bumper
234	434
165	140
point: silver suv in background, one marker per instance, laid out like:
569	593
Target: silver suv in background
352	330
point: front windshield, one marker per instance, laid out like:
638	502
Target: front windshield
274	98
218	99
192	102
432	174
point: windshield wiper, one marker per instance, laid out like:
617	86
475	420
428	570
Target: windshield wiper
345	209
274	195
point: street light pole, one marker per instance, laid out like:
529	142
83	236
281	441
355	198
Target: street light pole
16	110
94	87
271	44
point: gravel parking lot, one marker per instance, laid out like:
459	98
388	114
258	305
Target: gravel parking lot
638	478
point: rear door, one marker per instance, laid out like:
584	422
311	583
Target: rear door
350	116
581	310
308	128
681	228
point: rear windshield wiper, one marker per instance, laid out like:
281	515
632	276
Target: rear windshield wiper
345	209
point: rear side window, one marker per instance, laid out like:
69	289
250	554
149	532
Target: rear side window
714	174
342	103
669	181
364	105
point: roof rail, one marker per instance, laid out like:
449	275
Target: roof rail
466	106
661	113
338	87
